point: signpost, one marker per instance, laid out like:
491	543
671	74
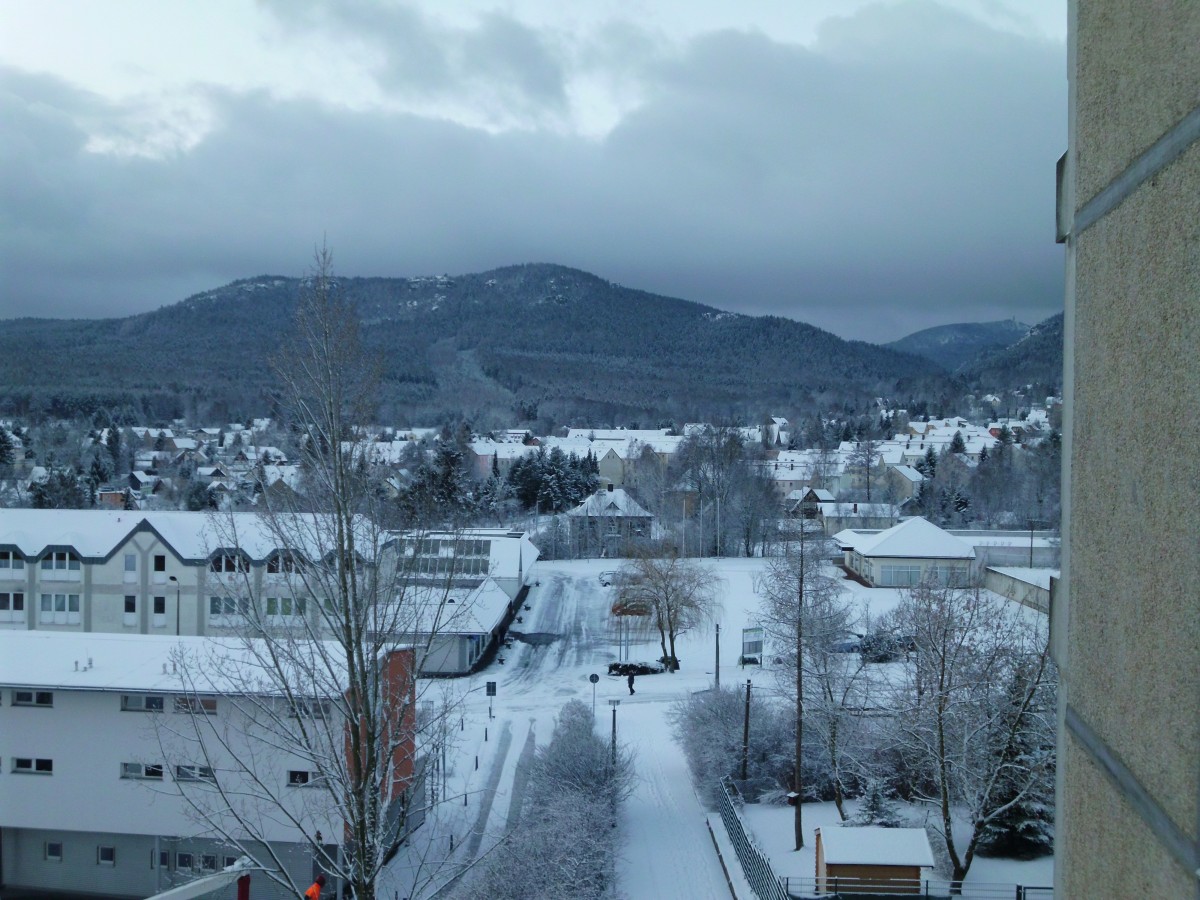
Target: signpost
593	678
491	692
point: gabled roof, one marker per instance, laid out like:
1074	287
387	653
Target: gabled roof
915	538
873	845
610	503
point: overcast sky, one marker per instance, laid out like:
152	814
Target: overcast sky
872	168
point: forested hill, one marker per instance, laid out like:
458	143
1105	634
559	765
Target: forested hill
952	346
521	342
1036	359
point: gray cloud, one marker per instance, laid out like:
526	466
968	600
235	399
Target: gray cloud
869	189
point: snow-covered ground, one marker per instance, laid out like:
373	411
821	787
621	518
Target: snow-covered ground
565	636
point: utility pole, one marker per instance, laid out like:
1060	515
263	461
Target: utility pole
614	704
717	667
746	733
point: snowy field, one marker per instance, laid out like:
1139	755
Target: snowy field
567	635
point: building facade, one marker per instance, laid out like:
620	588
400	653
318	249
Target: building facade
1125	621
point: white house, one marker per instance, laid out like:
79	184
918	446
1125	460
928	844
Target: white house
907	554
97	762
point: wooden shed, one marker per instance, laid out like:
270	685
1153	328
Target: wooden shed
861	860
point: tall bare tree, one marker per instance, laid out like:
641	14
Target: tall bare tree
340	598
802	612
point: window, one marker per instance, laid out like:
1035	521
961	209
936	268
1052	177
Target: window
53	851
164	859
130	567
160	612
197	705
229	563
130	615
25	765
221	609
285	607
208	862
227	861
60	565
309	708
160	563
183	861
11	560
899	576
12	607
142	702
151	771
282	563
194	773
33	698
59	609
106	856
302	778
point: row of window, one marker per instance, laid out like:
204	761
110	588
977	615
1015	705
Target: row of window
448	565
129	702
137	771
181	860
193	705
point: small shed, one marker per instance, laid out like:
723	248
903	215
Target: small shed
864	859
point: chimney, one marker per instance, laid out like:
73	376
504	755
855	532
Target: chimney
610	487
856	507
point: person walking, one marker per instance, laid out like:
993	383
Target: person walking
314	891
630	680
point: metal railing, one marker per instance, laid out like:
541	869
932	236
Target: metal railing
801	888
755	865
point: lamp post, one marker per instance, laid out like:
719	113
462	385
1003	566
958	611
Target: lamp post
614	704
176	580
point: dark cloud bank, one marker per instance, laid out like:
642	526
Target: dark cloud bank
896	176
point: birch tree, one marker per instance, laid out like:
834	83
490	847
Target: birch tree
802	614
338	602
975	709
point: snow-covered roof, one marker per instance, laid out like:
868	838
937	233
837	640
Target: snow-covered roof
115	662
616	502
873	845
460	609
1037	577
910	473
915	538
96	534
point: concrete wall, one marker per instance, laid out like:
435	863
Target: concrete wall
1126	622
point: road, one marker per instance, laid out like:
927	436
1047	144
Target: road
565	636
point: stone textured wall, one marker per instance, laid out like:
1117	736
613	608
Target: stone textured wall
1132	463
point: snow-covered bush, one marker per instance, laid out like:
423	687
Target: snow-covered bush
565	842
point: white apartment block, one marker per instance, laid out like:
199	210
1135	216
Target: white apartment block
94	756
192	573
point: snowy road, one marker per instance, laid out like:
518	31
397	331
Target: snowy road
567	635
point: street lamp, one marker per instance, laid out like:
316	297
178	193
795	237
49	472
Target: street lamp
614	704
176	580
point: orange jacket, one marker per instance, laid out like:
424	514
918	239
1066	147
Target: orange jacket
313	893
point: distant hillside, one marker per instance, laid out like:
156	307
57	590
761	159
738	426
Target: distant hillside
1036	359
522	342
952	346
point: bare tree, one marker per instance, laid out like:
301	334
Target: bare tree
322	626
678	594
975	711
803	614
